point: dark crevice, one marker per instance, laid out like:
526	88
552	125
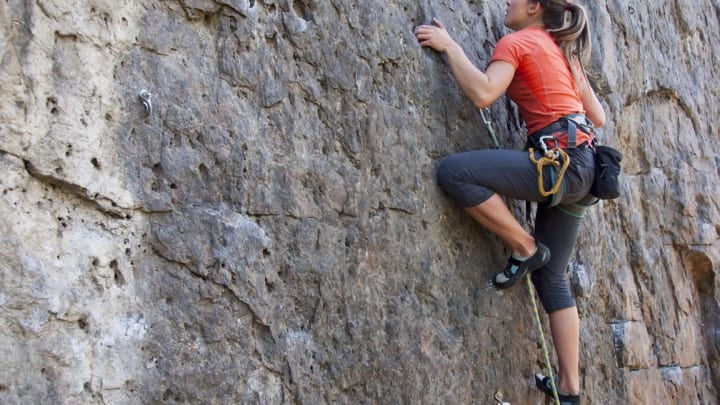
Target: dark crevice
205	278
698	264
102	203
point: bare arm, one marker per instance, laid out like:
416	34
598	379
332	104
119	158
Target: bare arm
481	88
593	108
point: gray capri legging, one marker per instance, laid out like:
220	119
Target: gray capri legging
470	178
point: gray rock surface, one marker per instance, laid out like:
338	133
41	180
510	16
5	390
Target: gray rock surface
272	231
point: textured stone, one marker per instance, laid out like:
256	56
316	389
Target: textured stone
272	232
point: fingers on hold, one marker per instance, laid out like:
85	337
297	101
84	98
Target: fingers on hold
424	38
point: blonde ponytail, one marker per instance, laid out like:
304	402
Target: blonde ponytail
568	23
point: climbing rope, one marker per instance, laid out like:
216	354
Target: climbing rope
544	161
541	335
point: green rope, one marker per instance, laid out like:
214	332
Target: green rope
538	323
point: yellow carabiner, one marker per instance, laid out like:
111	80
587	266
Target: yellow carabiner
555	157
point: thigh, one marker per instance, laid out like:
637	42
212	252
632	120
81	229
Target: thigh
579	177
506	172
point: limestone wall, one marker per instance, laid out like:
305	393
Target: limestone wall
271	232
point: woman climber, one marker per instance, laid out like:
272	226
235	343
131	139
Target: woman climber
540	65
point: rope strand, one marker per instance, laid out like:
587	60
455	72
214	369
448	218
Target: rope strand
546	354
548	159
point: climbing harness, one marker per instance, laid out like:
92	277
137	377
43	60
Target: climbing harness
531	291
555	156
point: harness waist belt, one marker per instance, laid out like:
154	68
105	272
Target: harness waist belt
570	123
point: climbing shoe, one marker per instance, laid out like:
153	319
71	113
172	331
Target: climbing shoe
543	384
517	269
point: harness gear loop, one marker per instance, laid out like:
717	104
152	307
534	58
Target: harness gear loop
555	157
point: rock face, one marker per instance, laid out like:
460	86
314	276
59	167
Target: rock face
270	231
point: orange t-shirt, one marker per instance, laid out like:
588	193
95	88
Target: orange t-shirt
543	87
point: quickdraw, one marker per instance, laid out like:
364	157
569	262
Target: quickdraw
489	128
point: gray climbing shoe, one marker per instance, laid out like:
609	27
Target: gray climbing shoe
517	269
543	384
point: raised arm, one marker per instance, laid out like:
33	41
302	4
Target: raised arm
481	88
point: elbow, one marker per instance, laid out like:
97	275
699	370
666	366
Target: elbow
481	101
599	120
597	116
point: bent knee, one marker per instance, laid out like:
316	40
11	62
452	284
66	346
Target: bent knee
448	174
553	290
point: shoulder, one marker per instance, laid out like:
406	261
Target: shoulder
509	39
525	37
512	47
524	40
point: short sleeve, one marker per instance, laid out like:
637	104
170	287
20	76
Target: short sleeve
507	50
